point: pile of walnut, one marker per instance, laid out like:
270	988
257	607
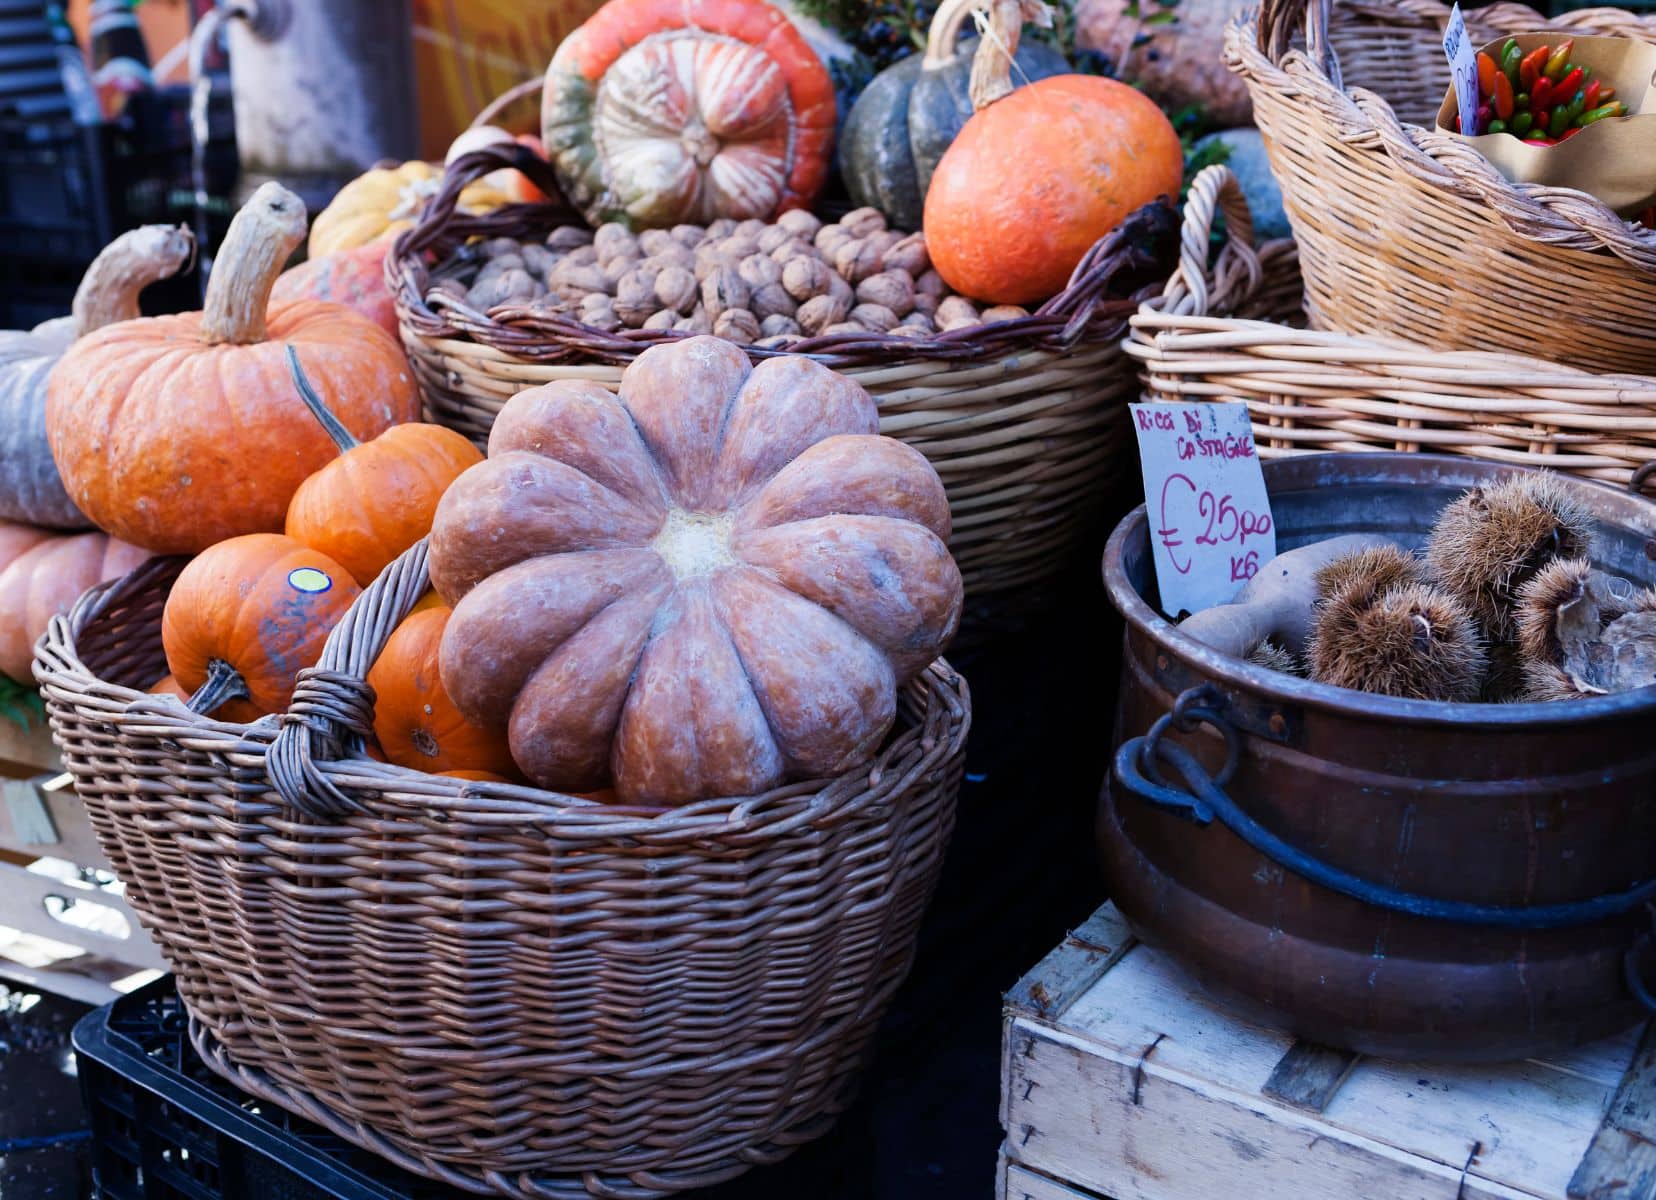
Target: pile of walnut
746	281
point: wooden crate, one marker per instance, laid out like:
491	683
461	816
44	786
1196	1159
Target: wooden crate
1120	1080
42	818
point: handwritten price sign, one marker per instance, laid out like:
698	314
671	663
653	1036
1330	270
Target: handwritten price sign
1210	519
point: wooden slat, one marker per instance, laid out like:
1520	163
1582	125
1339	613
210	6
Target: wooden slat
59	981
75	840
27	751
23	896
1080	960
1308	1075
1620	1164
1020	1183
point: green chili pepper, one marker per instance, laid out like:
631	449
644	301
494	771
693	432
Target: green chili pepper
1521	123
1497	126
1536	135
1559	121
1576	106
1511	56
1613	109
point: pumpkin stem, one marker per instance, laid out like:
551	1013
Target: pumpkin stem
342	437
108	292
943	35
992	64
224	684
260	240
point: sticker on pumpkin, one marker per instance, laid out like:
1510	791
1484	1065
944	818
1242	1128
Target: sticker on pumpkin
309	579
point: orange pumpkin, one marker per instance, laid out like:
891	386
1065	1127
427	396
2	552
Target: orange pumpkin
415	721
177	432
377	498
168	685
245	617
1040	173
42	574
354	278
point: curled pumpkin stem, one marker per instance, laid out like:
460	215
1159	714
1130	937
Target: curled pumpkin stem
224	684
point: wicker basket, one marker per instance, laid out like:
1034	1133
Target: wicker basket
504	989
1407	232
1220	335
1023	421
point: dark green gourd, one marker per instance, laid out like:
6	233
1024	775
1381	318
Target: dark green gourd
907	117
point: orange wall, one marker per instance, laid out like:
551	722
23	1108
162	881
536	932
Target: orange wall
467	52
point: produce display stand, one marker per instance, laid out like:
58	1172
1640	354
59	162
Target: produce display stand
1121	1080
41	817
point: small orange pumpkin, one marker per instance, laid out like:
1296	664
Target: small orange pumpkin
1070	157
377	498
354	278
415	721
42	574
245	617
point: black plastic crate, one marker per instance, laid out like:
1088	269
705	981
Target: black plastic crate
164	1127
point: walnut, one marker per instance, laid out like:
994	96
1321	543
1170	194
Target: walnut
505	262
696	322
830	238
752	228
635	298
842	291
874	316
757	270
569	237
497	247
724	289
806	277
665	319
736	325
653	241
506	287
794	247
800	222
676	288
773	237
819	312
930	283
1002	312
845	327
689	236
572	281
721	228
618	266
771	300
957	312
780	341
710	257
909	254
856	260
739	246
777	324
538	260
905	330
599	312
612	239
893	289
919	320
582	256
860	222
925	304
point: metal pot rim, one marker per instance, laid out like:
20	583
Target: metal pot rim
1290	689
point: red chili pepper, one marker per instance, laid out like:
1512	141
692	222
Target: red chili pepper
1541	95
1529	67
1592	96
1487	70
1570	84
1503	96
1570	133
1540	142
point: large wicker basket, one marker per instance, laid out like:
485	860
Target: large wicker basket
507	990
1405	231
1024	421
1234	332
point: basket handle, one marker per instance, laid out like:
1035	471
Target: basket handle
332	712
522	91
1280	20
1193	289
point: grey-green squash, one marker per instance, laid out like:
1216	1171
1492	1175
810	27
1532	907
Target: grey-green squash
907	117
30	490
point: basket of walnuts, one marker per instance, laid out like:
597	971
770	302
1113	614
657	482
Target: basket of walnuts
1021	409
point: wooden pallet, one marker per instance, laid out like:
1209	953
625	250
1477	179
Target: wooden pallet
1120	1080
42	818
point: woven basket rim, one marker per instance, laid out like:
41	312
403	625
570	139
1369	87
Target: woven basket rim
1103	292
322	758
1259	47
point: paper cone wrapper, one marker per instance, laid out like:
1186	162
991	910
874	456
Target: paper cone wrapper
1614	159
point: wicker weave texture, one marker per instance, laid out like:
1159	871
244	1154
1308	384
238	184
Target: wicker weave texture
1024	421
1404	231
508	990
1230	333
